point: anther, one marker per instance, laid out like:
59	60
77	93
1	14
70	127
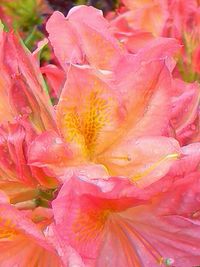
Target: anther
126	158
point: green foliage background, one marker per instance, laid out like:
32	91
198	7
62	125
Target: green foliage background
28	17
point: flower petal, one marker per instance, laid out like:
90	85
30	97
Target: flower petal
143	160
22	242
88	112
26	85
76	39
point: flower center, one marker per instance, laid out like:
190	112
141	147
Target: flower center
84	127
90	225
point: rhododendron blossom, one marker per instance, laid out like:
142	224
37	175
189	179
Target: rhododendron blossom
21	241
120	225
141	21
102	117
99	148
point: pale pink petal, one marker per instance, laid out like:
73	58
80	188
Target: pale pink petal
125	229
26	86
188	162
77	38
147	15
88	112
185	100
143	160
21	242
49	149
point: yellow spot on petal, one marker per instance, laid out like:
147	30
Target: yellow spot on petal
73	125
88	226
7	229
126	158
94	119
85	124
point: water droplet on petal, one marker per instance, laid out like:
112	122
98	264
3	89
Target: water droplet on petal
169	261
58	141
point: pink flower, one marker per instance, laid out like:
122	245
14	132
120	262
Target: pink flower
114	123
25	111
100	178
143	20
113	223
23	91
21	241
185	111
181	17
78	37
148	15
108	117
15	139
183	24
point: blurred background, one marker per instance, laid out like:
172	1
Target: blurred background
132	22
28	17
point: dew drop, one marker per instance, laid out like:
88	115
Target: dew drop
58	141
169	261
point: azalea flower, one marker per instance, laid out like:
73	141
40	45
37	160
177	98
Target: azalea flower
87	122
22	85
143	21
79	38
21	241
113	223
100	178
185	111
149	16
183	23
106	117
22	96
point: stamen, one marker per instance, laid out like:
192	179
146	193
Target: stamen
126	158
138	176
